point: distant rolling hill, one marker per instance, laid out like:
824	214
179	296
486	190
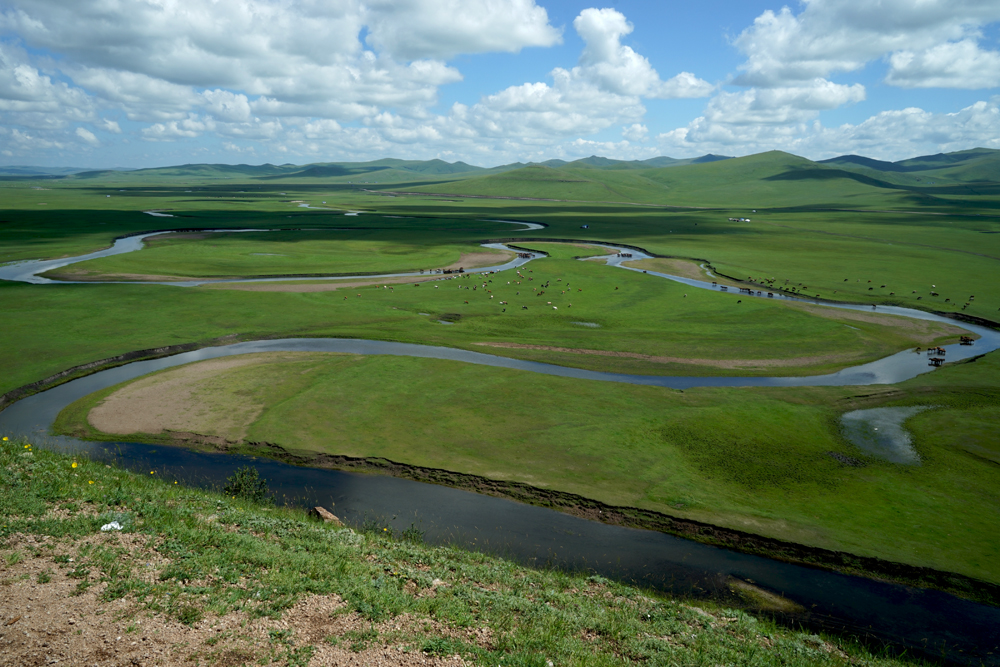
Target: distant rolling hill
969	166
772	179
386	170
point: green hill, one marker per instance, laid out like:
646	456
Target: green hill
977	165
764	180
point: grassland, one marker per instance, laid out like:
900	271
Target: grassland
645	316
198	577
757	460
751	459
282	253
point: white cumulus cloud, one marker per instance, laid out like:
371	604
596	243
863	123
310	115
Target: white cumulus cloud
951	65
87	136
635	132
831	36
609	64
440	29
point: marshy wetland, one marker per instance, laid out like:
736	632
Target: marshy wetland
321	342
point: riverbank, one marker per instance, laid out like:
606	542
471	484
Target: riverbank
196	576
587	508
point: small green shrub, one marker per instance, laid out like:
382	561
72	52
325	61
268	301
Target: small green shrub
189	614
442	646
246	483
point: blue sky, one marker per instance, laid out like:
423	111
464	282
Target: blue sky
104	83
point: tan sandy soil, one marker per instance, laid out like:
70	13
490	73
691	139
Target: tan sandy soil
717	363
182	399
43	624
474	260
922	331
684	268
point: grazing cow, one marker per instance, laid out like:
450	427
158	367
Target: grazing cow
739	301
524	308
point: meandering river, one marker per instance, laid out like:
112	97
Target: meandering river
918	618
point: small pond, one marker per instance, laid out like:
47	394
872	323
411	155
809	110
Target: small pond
879	432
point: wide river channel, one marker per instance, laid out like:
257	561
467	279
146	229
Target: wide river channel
926	620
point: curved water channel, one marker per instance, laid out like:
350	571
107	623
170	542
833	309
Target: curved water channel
922	619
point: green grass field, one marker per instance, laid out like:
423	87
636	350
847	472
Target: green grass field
645	316
752	459
235	574
285	252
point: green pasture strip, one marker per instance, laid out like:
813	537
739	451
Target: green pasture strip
761	460
216	555
49	328
293	252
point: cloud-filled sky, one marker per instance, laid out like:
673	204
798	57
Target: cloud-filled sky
105	83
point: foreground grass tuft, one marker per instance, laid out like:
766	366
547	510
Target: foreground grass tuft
206	560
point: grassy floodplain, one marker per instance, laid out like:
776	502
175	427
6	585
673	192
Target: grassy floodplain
299	252
752	459
204	578
645	316
744	458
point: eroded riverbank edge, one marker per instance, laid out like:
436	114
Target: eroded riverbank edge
842	562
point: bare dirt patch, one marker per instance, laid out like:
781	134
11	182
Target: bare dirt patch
474	260
685	268
921	331
183	399
745	364
50	623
